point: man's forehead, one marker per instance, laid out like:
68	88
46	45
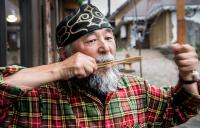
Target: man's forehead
106	30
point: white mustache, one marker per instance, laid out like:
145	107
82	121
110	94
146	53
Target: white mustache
105	58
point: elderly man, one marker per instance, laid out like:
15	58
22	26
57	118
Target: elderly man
75	93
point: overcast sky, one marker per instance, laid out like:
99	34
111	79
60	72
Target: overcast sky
103	5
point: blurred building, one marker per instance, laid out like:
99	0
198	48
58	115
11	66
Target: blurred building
27	34
154	22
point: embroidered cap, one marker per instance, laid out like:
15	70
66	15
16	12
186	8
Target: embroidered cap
86	19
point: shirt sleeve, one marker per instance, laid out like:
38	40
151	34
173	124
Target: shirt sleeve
171	105
8	94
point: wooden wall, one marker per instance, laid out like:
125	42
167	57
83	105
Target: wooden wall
161	30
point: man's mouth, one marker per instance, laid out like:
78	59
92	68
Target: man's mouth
105	64
103	61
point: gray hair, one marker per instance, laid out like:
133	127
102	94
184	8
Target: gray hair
68	50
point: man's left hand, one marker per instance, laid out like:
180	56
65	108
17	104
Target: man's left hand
186	59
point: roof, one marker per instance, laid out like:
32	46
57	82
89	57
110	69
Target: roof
120	8
146	9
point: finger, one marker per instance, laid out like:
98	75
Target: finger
80	73
90	67
92	62
177	48
182	56
186	68
187	62
85	69
89	70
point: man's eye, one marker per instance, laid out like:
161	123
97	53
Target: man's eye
109	38
91	41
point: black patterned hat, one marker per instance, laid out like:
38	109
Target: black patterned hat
86	19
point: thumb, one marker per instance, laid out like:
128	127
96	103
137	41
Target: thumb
175	47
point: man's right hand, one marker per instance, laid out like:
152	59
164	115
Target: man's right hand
78	65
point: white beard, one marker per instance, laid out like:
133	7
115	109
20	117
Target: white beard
105	80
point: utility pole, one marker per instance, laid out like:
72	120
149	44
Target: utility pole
89	2
108	15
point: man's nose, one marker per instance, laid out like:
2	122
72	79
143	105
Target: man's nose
104	46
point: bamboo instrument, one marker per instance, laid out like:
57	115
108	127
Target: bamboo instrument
181	33
181	29
115	62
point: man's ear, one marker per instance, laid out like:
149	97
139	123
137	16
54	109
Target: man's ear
62	54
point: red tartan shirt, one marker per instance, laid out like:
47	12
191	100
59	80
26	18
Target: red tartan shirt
134	104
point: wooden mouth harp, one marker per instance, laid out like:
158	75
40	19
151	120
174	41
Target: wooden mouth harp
122	61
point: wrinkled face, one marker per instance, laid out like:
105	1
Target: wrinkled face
97	43
100	45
